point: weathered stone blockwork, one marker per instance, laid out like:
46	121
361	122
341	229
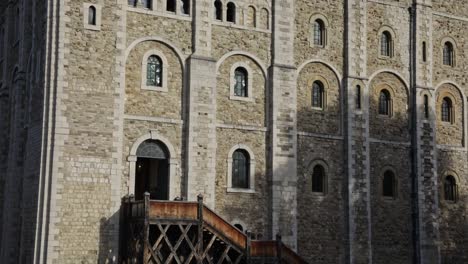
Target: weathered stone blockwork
75	106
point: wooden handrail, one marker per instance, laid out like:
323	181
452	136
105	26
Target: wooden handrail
224	227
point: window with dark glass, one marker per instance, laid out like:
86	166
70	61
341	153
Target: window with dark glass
448	54
147	3
446	110
241	82
319	33
450	189
358	96
318	179
154	71
386	44
424	51
240	169
171	5
317	94
218	5
389	184
239	226
92	15
426	106
132	3
185	8
384	102
231	12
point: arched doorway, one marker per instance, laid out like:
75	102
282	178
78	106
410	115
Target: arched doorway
152	170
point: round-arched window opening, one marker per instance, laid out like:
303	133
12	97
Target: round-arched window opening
240	227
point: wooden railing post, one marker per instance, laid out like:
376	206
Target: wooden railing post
147	246
248	245
200	228
279	248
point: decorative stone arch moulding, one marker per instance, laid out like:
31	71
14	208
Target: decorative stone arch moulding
455	98
326	88
254	58
144	69
397	183
255	17
232	82
251	188
268	22
377	90
312	19
326	64
452	41
393	42
237	221
308	176
174	189
441	181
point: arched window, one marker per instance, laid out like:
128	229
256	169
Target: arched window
319	33
448	54
218	5
264	19
358	97
426	106
92	15
317	94
386	44
318	179
384	103
251	17
231	12
171	5
240	169
450	189
154	71
239	226
185	7
446	110
389	184
241	82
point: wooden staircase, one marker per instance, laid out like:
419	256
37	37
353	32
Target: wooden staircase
190	233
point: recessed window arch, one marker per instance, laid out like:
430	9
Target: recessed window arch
385	102
446	110
241	82
171	5
92	15
154	71
450	188
319	179
319	33
426	106
389	184
231	12
358	97
239	226
448	54
241	167
386	44
251	17
264	19
185	7
241	87
318	95
218	10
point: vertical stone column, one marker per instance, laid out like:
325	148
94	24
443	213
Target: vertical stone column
283	124
357	134
425	183
201	116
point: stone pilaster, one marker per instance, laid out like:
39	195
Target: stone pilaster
357	134
283	124
424	147
201	136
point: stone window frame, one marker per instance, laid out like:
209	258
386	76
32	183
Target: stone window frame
442	177
97	26
268	22
144	71
326	86
252	163
397	192
390	90
310	171
313	18
453	115
393	39
255	17
454	52
232	82
237	221
174	189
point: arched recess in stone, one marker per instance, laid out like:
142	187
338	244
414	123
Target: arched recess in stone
330	115
395	125
174	180
162	103
250	110
450	133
